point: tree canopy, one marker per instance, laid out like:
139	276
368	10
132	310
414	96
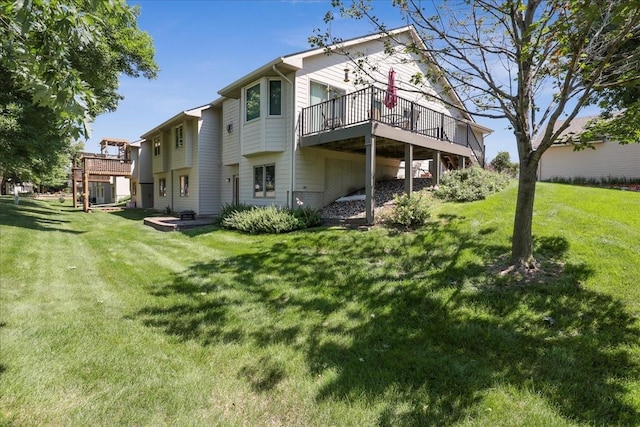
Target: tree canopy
536	63
60	61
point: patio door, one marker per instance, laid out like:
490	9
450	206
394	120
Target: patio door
333	109
100	194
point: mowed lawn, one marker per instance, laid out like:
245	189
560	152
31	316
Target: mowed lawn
104	321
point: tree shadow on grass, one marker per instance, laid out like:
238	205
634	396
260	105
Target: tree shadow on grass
412	320
136	214
33	215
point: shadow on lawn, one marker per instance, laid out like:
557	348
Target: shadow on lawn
34	215
414	321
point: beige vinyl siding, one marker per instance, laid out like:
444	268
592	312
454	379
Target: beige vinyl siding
160	203
145	154
335	174
226	188
608	160
209	162
179	156
188	202
275	134
231	140
161	163
252	138
281	182
266	134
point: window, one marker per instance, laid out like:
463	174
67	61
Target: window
156	145
184	185
252	102
179	135
275	97
162	187
264	180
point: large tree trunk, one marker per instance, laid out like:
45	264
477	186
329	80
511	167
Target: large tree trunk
522	241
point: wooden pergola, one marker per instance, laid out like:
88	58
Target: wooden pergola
100	167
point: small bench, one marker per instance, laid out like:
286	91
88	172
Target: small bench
188	214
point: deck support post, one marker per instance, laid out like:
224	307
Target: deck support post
85	186
408	169
370	176
74	188
435	168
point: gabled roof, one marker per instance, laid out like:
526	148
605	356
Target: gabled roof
193	113
577	126
294	62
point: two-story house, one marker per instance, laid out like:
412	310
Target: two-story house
309	128
185	161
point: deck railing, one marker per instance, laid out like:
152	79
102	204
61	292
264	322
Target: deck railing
367	105
108	166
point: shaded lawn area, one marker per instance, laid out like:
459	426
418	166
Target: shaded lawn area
120	324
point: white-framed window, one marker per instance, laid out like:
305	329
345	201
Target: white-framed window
179	136
184	185
156	145
162	187
275	97
252	102
264	181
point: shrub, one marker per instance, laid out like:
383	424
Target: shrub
270	219
229	209
470	184
308	216
409	212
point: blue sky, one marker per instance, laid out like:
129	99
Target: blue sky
204	45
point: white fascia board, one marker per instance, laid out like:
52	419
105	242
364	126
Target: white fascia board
284	64
193	113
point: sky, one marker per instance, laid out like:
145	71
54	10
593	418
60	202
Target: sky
202	46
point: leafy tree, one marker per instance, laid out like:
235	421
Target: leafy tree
532	62
60	61
502	163
30	143
620	120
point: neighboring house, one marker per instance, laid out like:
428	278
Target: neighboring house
608	161
141	175
305	129
185	161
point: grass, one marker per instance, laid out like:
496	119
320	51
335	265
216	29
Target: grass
104	321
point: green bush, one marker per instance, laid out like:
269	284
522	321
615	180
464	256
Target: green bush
310	217
229	209
269	219
409	212
470	184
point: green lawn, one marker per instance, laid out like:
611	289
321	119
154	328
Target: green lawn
104	321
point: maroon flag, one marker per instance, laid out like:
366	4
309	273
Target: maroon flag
391	98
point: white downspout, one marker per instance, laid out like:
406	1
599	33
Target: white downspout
293	135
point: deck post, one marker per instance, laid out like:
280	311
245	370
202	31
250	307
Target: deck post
370	176
74	188
85	186
435	168
408	169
